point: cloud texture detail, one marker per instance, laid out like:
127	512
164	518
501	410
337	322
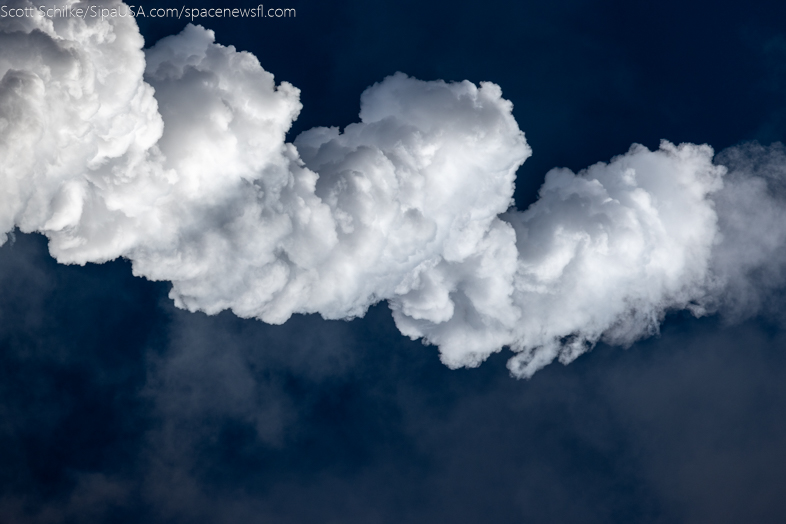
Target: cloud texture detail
176	158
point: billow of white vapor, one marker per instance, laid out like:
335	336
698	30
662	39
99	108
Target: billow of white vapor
175	158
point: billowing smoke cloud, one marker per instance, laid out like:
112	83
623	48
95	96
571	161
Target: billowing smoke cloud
176	159
749	260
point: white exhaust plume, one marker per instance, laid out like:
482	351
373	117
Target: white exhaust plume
176	159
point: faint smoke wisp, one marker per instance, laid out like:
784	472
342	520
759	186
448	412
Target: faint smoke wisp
175	158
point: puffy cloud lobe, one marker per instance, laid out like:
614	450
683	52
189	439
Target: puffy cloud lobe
601	254
606	253
176	159
77	121
418	181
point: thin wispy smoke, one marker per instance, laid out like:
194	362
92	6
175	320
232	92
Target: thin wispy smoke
175	158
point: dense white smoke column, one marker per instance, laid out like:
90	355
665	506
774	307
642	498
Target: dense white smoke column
185	171
214	200
406	207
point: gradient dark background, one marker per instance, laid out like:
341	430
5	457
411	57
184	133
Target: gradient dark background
117	407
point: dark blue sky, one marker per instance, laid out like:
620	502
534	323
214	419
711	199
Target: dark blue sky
117	407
